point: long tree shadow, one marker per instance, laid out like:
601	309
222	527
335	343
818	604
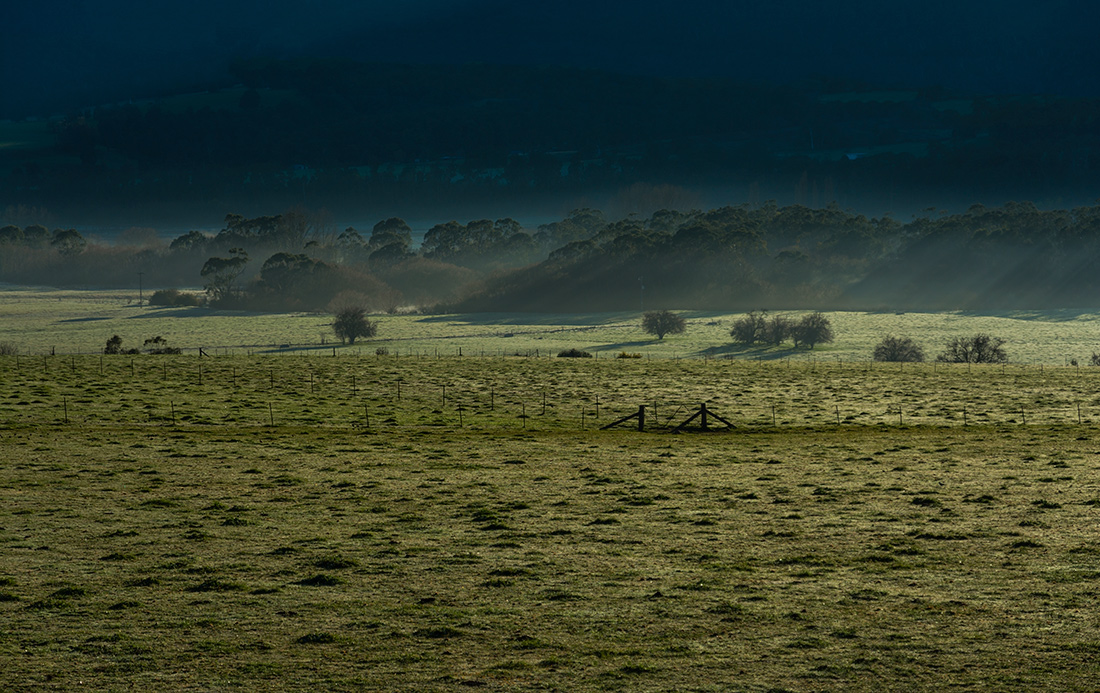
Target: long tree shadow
506	319
751	353
622	346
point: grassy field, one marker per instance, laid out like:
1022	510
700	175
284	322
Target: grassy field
280	518
39	321
403	523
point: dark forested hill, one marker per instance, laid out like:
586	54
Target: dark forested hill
366	138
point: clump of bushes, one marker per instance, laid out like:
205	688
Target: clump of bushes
153	345
8	349
114	346
159	345
628	355
174	297
574	354
754	328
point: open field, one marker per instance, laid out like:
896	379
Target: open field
296	518
403	523
41	321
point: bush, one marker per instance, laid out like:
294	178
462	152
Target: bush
8	349
898	349
574	354
114	345
159	345
628	355
662	322
811	330
174	297
1095	360
981	348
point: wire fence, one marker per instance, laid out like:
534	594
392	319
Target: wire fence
494	393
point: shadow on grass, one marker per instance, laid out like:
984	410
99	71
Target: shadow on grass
751	353
534	318
198	312
624	346
554	319
1053	315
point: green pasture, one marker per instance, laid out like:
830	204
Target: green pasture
211	548
294	518
38	321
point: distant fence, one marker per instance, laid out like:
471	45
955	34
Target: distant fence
377	392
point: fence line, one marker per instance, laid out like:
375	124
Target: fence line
380	391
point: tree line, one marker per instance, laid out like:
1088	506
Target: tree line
731	258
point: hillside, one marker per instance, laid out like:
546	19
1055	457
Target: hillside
383	139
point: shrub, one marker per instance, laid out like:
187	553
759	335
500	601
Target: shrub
174	297
574	354
898	349
159	345
114	345
980	348
1095	360
8	349
662	322
628	355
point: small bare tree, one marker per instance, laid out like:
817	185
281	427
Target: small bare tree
749	329
980	348
811	330
893	348
777	330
